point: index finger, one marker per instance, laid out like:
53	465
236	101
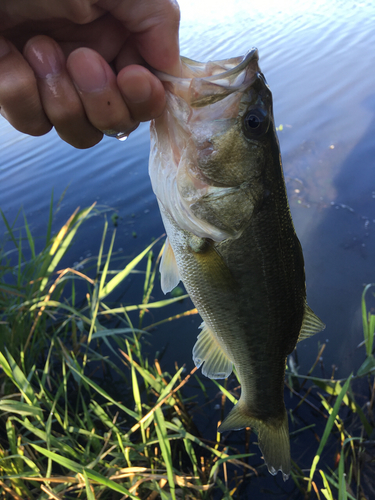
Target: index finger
153	25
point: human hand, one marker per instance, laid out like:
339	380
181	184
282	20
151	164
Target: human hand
56	60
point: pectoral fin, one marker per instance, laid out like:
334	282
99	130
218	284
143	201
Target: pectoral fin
311	324
170	276
209	351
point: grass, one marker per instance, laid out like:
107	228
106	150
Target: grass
85	414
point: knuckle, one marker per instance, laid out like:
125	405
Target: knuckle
65	116
35	127
15	88
170	12
21	106
175	12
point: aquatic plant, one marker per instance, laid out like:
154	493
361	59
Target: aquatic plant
62	434
368	320
84	413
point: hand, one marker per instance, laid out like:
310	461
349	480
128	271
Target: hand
56	60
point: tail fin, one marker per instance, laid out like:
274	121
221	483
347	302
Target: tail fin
273	438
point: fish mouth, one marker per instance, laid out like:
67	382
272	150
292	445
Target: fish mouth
202	84
225	69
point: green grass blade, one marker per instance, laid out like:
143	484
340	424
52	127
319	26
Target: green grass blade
185	434
114	282
336	485
333	387
367	366
64	244
79	469
89	494
101	334
101	391
342	483
11	406
106	265
50	218
147	274
29	238
57	443
189	449
10	231
136	391
230	396
59	305
368	324
326	490
101	249
165	447
21	381
20	257
328	428
227	458
11	290
5	366
364	315
168	388
150	305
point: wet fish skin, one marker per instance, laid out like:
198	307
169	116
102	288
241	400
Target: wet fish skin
218	178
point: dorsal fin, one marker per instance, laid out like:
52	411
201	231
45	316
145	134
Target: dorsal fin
170	276
311	324
209	351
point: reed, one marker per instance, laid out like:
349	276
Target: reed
85	414
62	434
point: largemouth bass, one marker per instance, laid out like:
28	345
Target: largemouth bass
216	170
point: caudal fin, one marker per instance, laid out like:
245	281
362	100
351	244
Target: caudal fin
273	439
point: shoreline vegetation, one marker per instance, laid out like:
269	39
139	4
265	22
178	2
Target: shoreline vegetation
65	350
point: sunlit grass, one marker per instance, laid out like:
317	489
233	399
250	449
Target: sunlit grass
66	432
62	433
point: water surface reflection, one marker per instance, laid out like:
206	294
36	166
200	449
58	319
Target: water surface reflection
318	58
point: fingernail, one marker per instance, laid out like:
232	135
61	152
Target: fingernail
44	59
4	47
87	71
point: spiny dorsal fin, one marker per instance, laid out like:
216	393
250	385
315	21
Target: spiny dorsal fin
209	351
311	324
170	276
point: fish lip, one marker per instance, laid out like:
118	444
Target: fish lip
203	84
237	69
249	56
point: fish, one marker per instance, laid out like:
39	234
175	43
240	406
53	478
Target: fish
216	170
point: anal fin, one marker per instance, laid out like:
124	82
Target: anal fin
170	276
311	324
209	351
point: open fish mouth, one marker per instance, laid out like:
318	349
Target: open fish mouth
202	84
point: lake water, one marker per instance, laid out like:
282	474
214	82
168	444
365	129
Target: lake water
318	58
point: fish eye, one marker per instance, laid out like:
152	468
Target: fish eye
255	122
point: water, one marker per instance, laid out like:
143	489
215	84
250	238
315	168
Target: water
318	58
